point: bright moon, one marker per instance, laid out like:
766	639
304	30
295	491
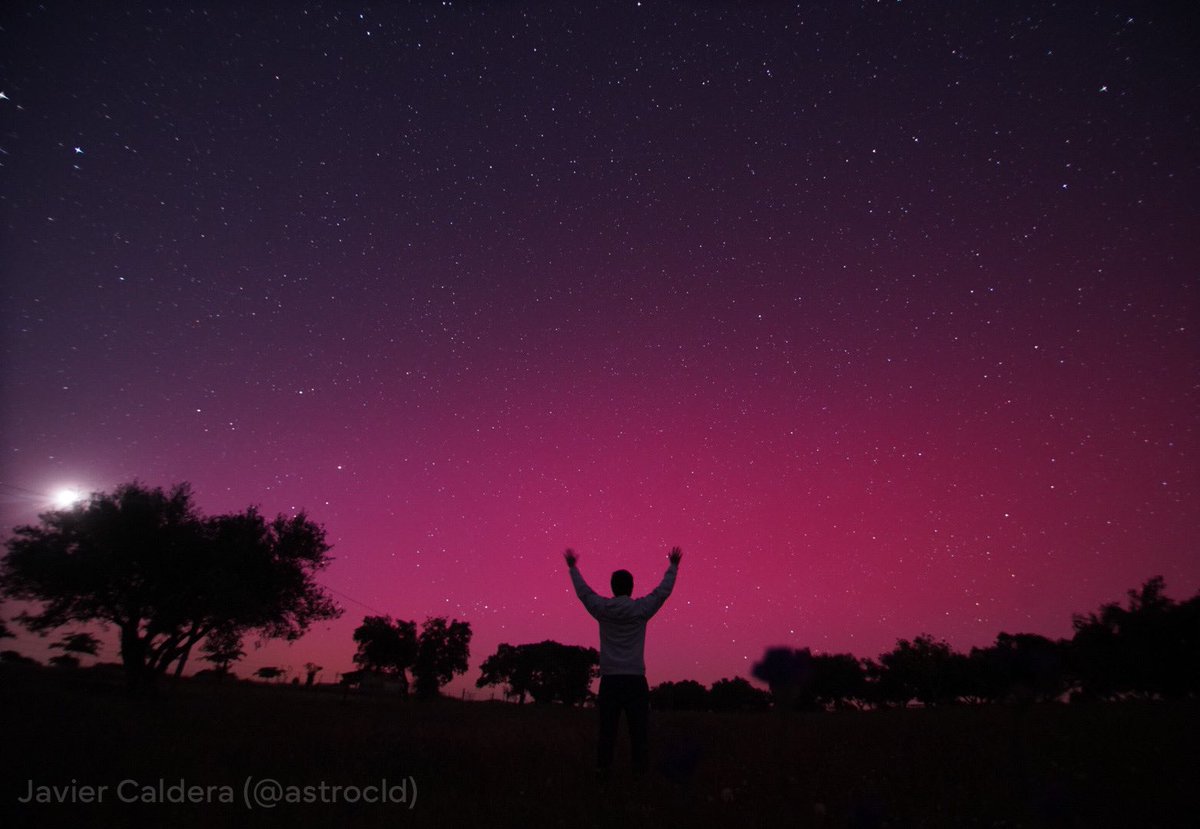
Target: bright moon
67	497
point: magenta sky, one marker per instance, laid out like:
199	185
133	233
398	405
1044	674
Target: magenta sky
885	315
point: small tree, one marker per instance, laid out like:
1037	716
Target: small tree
923	669
269	673
987	676
506	667
222	648
442	652
548	671
386	647
684	695
311	669
838	681
563	673
737	695
1019	667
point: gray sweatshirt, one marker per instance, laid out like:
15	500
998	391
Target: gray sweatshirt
623	622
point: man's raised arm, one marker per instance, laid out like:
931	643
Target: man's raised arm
655	599
590	598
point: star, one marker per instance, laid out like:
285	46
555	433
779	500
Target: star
3	97
79	151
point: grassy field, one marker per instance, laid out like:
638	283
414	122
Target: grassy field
493	764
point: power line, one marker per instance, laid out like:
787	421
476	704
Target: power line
356	601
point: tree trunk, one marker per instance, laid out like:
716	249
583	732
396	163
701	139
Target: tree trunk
183	657
133	657
195	636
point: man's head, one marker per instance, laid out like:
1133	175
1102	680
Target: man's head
622	583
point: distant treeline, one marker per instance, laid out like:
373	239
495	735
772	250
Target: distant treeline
1149	649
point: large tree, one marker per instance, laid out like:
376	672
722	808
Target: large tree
387	647
147	561
442	652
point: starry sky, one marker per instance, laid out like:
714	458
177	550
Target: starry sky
884	312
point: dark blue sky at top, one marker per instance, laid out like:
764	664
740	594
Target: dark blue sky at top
884	312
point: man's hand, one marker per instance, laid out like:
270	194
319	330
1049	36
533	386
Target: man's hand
675	555
570	556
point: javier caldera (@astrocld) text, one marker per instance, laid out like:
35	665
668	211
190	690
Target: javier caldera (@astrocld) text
253	793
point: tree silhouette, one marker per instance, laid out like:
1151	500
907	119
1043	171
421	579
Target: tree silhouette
5	633
1019	667
1184	677
923	669
507	667
270	672
565	672
72	644
684	695
737	694
311	669
988	678
11	657
443	649
146	561
838	681
1149	648
222	648
386	647
798	679
548	671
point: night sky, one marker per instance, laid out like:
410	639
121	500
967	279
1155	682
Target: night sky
885	313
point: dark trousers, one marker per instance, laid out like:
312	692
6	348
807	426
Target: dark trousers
631	694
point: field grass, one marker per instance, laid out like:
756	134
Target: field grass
494	764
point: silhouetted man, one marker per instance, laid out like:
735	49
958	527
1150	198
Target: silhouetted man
622	666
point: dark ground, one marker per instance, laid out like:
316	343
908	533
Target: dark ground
493	764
